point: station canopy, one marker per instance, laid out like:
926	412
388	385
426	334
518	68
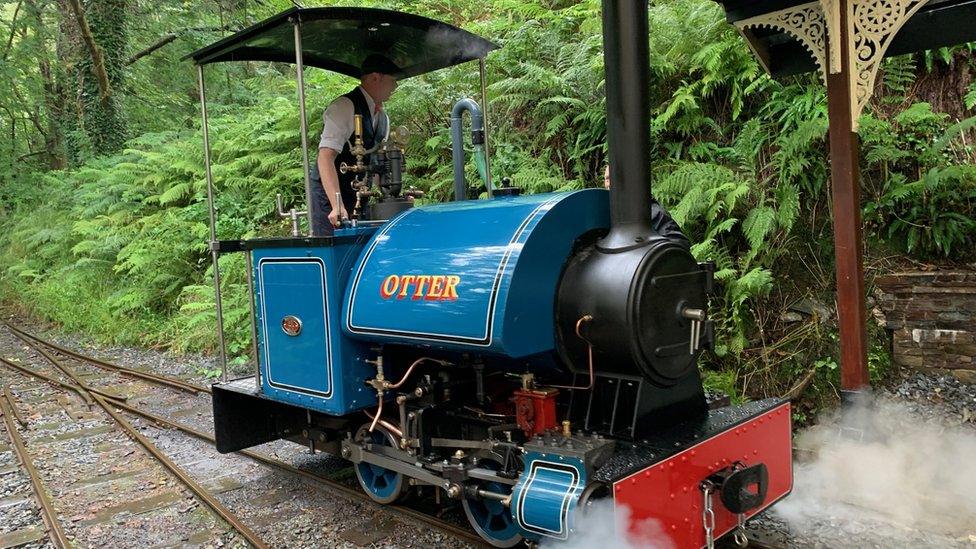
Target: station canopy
936	23
340	39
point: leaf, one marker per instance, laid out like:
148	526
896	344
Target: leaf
758	225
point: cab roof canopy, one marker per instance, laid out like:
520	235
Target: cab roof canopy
936	24
340	39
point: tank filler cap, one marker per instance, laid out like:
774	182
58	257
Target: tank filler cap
507	189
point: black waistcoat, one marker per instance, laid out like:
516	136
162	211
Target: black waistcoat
370	137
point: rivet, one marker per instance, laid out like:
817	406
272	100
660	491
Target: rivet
693	452
647	473
755	452
619	487
672	496
684	459
674	526
633	481
685	489
671	464
687	520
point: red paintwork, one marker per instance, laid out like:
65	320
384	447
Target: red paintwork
535	411
668	491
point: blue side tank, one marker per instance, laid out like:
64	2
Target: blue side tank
473	276
305	358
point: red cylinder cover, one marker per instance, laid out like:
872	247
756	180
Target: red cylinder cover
535	410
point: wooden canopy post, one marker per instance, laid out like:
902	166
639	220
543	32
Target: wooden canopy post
846	41
845	178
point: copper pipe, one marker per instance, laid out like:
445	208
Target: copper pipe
377	421
379	412
589	346
379	406
410	371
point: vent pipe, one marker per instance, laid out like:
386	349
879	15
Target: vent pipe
625	54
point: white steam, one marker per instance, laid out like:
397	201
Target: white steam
603	525
878	462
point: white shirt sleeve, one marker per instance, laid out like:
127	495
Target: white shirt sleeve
337	124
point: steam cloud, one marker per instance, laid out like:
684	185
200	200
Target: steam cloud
605	526
904	471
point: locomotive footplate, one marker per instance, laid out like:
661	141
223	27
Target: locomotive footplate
243	417
737	461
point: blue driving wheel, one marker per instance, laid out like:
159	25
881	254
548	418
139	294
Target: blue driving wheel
490	518
381	484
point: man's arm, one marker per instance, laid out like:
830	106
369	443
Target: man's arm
336	127
330	182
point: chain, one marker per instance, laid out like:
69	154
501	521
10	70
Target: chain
708	515
739	537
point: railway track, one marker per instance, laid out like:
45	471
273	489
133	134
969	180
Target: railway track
64	378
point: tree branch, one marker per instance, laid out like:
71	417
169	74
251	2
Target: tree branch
32	116
13	30
159	44
30	154
98	60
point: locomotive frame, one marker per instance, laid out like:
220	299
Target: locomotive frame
544	347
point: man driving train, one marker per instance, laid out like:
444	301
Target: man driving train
377	84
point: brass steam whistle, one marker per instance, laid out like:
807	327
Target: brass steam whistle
357	149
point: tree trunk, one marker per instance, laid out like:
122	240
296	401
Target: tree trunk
68	50
53	102
101	27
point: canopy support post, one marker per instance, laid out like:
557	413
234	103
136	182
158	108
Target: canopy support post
300	76
848	246
213	244
485	110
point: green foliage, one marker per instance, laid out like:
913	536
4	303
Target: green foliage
929	209
116	245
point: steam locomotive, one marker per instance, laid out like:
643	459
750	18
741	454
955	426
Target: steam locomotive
526	356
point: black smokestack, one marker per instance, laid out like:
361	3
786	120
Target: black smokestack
625	54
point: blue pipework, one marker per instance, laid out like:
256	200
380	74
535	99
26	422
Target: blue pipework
457	141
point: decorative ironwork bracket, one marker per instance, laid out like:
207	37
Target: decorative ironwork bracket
875	23
872	25
806	23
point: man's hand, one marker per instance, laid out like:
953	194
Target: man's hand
335	218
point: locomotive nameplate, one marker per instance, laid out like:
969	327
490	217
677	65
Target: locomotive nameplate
427	287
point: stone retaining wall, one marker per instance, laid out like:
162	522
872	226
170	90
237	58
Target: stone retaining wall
932	318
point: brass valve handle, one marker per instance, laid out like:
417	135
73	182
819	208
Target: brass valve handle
357	149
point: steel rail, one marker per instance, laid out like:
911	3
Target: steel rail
55	382
48	514
146	376
68	372
10	398
199	491
343	490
